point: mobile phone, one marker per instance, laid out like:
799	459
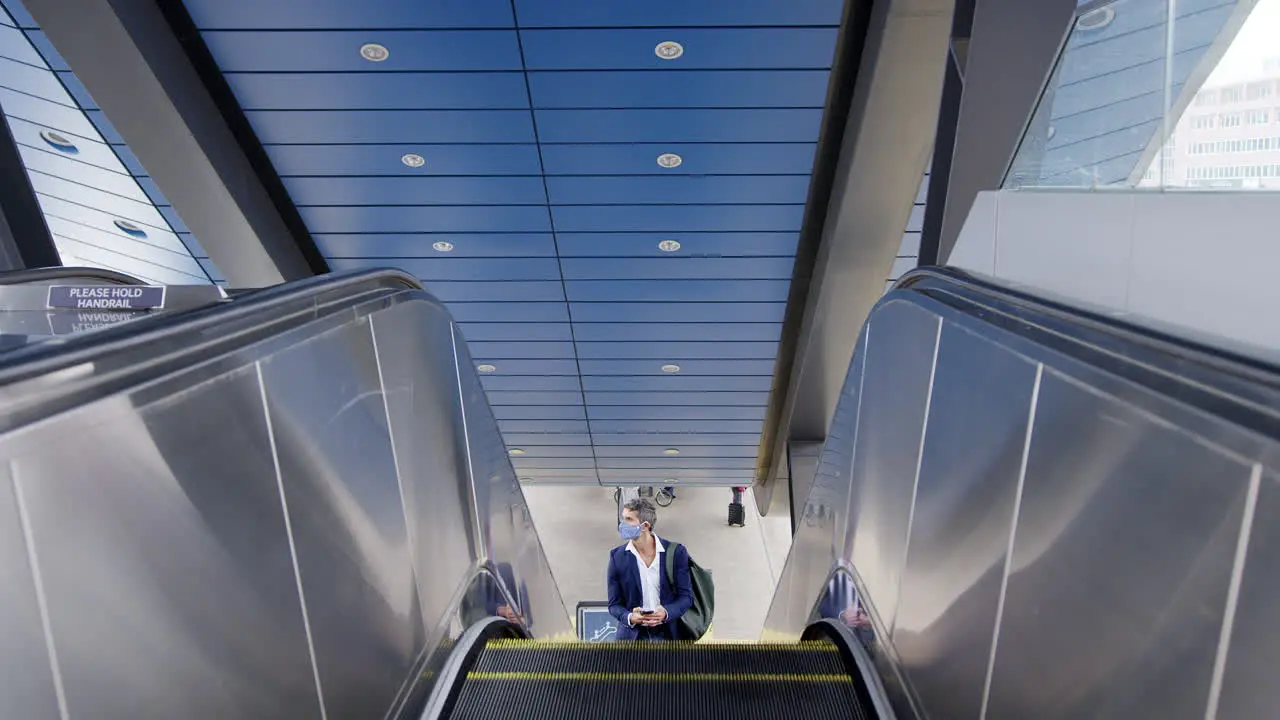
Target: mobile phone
647	612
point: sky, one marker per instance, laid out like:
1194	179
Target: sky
1256	41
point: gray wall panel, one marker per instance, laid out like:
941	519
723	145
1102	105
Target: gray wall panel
169	582
955	558
343	497
1122	557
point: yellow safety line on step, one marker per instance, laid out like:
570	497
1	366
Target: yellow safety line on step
808	646
613	677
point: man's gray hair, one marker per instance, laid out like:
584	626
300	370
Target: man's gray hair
644	510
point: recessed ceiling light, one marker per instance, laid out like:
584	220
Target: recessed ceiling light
669	50
671	481
671	368
413	160
515	451
59	142
1096	19
669	160
130	228
669	245
526	479
442	246
1052	131
671	451
487	368
373	52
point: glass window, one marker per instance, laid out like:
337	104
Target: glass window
1229	120
1232	94
1258	90
1201	122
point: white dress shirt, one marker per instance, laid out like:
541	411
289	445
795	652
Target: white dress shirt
650	576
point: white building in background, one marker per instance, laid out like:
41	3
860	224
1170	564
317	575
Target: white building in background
1228	138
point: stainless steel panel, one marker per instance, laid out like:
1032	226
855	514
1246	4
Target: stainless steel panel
329	425
26	676
1123	552
430	447
164	556
955	556
901	342
1249	688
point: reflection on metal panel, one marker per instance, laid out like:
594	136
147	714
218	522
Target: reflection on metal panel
887	452
1127	533
164	557
1248	681
26	675
346	517
969	469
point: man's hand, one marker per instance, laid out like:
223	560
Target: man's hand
636	617
656	618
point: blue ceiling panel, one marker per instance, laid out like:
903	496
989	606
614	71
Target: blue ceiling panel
32	80
674	13
683	462
678	189
543	426
372	160
338	51
395	91
539	412
553	463
504	397
504	332
605	442
677	268
14	45
128	159
47	114
91	176
193	245
392	126
473	291
104	126
510	312
659	312
683	412
697	159
678	126
675	383
51	56
137	211
459	269
416	190
326	14
558	383
172	258
534	367
549	451
693	291
393	245
560	476
95	153
542	350
595	399
687	367
654	450
551	439
707	49
677	424
679	89
97	218
457	218
175	222
677	218
774	244
664	350
658	332
78	91
676	477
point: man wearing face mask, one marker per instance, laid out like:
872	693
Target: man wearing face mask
641	596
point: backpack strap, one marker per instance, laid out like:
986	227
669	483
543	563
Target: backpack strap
670	562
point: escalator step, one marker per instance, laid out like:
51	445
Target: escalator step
667	680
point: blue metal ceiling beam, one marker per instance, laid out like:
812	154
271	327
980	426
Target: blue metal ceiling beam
129	58
883	153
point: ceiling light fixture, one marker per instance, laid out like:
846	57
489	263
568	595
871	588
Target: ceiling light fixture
669	245
413	160
669	50
526	479
373	52
442	246
1096	19
671	368
487	368
515	451
671	451
59	142
129	228
670	160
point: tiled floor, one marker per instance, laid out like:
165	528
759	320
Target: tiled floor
577	527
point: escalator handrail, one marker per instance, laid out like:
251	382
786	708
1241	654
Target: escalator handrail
38	276
1199	372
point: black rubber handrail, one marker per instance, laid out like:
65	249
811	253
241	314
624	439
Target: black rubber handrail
37	276
1205	372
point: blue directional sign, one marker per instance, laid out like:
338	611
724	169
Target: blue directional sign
106	297
595	624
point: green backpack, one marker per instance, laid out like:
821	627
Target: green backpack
694	623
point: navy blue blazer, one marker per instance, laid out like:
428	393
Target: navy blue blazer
625	593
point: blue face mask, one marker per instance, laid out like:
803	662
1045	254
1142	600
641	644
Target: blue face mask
628	531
